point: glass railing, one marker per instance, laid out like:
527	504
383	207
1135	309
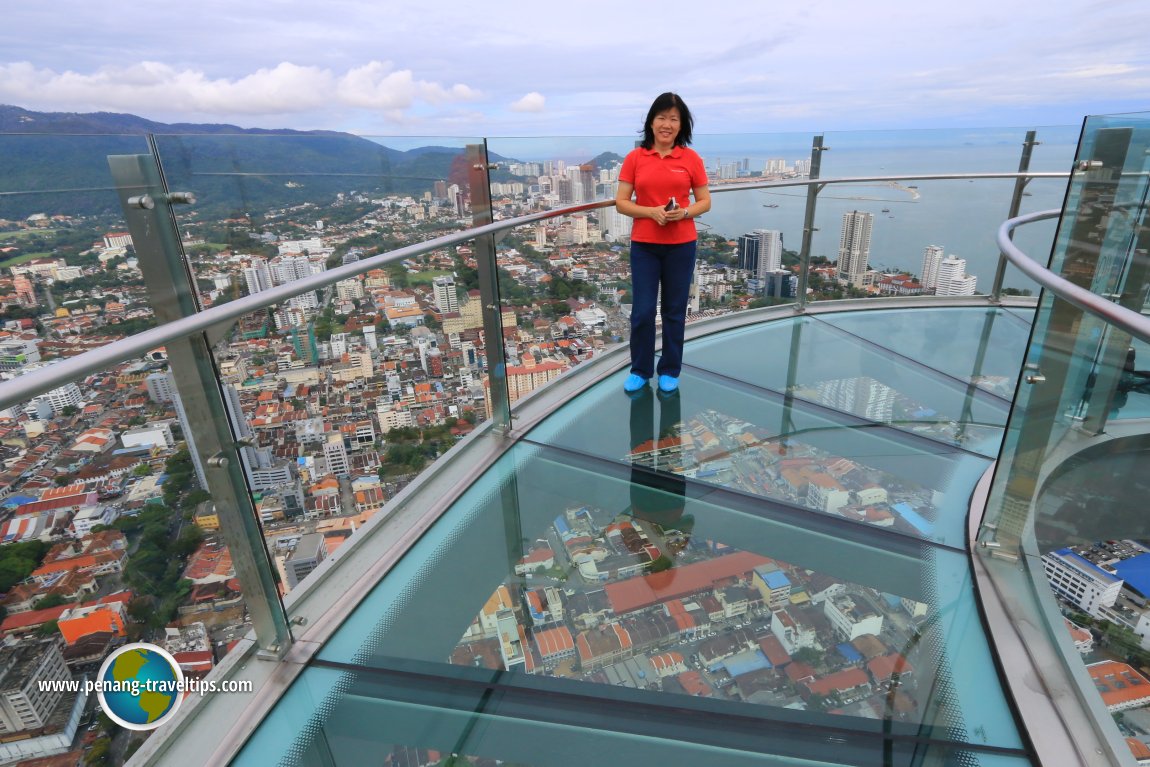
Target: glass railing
762	185
1063	540
329	406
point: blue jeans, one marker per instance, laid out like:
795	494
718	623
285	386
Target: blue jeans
652	265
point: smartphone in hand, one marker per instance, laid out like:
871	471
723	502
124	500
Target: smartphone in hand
671	204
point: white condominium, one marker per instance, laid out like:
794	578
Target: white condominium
931	258
854	247
953	279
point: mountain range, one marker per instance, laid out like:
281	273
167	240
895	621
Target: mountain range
56	162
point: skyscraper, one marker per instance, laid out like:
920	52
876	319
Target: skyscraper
761	251
931	258
770	251
748	252
854	247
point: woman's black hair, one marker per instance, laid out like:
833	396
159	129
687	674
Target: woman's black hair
662	103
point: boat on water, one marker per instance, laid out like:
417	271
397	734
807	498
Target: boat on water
886	210
770	205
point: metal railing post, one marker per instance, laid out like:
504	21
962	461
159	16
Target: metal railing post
809	229
1015	203
147	206
488	267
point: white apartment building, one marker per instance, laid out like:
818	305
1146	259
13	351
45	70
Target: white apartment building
953	279
791	634
932	256
851	618
1080	582
23	705
446	297
854	247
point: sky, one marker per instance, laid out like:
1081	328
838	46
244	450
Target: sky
592	67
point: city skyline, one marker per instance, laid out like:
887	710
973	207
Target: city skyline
359	68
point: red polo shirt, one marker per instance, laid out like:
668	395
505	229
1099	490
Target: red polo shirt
656	180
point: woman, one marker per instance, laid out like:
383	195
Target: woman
661	174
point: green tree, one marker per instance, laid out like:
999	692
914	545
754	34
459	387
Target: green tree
190	539
807	655
100	753
52	600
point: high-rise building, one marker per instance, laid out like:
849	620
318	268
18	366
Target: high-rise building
257	276
25	701
160	387
953	279
770	251
446	298
761	252
748	253
931	258
854	247
336	455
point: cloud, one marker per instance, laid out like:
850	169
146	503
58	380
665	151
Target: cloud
287	88
532	102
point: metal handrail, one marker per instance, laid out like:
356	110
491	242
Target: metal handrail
1113	314
26	386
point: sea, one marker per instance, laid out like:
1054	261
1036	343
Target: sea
962	216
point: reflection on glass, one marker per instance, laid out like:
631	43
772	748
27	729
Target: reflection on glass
628	608
1069	504
878	449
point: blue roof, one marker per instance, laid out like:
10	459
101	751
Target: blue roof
1086	564
849	652
777	580
1136	572
914	518
561	525
19	500
746	662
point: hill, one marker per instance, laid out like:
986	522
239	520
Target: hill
56	162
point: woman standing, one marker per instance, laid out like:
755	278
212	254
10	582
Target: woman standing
661	174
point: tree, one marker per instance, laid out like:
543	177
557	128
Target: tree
99	753
195	497
661	563
190	539
808	655
52	600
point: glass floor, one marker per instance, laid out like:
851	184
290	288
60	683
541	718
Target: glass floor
768	567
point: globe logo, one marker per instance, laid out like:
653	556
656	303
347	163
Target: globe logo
140	686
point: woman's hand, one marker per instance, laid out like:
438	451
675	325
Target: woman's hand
678	214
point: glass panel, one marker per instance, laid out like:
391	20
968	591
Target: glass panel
853	375
344	394
571	567
333	717
795	454
909	216
76	284
1068	505
974	345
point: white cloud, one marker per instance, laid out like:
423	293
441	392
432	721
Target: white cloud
532	102
149	87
